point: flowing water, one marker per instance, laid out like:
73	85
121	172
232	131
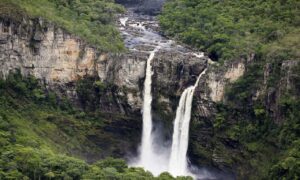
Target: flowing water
147	151
178	159
139	38
139	35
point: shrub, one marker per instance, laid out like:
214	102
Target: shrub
92	20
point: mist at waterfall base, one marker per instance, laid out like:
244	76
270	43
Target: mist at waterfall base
156	154
156	148
151	157
178	160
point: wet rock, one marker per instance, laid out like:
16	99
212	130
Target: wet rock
60	60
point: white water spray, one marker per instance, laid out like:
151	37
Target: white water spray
154	154
178	160
123	21
147	154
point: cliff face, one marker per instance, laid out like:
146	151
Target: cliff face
60	60
57	58
232	99
218	80
205	143
285	85
40	48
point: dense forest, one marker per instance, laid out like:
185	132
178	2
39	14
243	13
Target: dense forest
230	30
91	20
40	132
256	127
43	135
233	29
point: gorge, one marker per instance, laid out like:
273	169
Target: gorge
206	89
139	37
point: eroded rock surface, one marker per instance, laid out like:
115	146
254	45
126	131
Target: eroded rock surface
60	60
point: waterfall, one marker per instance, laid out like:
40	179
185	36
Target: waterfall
178	158
155	154
147	154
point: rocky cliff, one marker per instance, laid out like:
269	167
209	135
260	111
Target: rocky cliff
58	58
61	61
233	105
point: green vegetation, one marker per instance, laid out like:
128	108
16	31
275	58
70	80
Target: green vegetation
233	29
92	20
288	166
258	132
42	136
91	88
248	120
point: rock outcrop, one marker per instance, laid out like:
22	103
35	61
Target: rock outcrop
59	60
45	51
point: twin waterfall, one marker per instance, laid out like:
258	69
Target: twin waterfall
155	156
177	160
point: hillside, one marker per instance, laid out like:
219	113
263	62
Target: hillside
45	137
234	29
46	132
81	81
259	114
92	20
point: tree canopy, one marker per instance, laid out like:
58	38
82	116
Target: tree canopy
228	29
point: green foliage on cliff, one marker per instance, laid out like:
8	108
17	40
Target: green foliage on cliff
288	167
42	136
231	29
256	128
264	126
92	20
94	94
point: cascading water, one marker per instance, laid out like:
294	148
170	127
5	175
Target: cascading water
178	159
139	38
147	154
123	21
154	155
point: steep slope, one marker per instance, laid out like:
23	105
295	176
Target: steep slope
66	88
247	118
69	96
91	20
41	135
230	29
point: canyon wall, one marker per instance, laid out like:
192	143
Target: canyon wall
59	60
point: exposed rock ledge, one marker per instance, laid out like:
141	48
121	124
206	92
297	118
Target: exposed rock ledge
58	58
